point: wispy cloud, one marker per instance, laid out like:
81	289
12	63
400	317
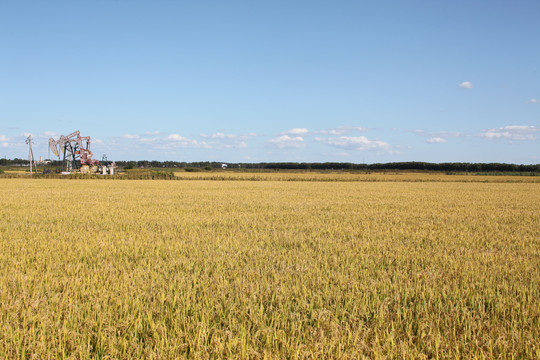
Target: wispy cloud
155	140
177	140
45	135
52	134
296	131
512	132
219	135
436	140
439	134
286	141
4	141
342	130
38	139
339	130
466	85
177	137
356	143
221	140
533	101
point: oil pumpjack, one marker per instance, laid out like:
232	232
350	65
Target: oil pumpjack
76	152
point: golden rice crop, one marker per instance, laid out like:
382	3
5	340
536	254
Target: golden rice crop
399	176
269	269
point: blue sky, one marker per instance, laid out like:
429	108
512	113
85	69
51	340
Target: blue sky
254	81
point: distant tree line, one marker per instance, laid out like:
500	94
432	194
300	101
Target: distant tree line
22	162
411	165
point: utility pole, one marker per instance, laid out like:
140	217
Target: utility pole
31	154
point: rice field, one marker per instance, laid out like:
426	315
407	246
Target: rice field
329	176
269	269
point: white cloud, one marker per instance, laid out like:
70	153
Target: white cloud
342	130
533	101
155	140
220	135
147	140
47	135
228	144
221	140
438	134
356	143
286	141
5	144
512	132
466	85
297	131
436	140
4	138
217	136
177	140
177	137
339	130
